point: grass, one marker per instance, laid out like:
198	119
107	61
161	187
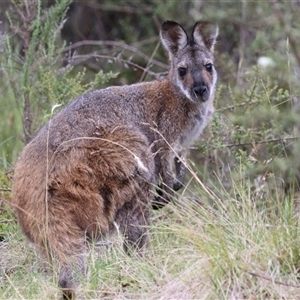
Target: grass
209	245
11	130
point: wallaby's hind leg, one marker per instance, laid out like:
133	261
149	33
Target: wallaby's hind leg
134	226
136	236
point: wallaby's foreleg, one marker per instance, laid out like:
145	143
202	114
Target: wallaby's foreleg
180	171
170	182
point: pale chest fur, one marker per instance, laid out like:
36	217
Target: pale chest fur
194	131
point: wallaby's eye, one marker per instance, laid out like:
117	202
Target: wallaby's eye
208	67
182	71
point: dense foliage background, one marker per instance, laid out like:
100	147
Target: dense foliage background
53	51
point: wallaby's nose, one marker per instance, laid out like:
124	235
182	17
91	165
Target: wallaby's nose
200	90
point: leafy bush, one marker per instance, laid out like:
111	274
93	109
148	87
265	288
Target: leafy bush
35	72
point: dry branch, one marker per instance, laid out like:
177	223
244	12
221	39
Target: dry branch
116	44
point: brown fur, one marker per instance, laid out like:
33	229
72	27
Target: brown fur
93	166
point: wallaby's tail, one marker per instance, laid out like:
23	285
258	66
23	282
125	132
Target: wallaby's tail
67	250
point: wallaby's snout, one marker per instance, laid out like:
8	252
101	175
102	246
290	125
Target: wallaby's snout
201	91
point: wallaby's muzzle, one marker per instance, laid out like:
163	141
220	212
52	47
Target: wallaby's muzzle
201	92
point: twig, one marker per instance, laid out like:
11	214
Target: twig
273	280
141	9
115	44
147	41
149	63
283	140
237	105
5	190
82	58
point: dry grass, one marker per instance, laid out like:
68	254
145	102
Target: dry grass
205	246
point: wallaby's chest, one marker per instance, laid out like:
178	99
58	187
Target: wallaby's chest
195	127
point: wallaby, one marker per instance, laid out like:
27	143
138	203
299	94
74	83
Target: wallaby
94	166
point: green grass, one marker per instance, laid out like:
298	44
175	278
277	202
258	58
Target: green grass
210	245
11	130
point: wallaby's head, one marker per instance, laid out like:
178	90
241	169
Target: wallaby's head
192	62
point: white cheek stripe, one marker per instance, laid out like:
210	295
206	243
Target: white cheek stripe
185	91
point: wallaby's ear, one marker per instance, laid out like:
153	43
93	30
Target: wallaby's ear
173	36
205	34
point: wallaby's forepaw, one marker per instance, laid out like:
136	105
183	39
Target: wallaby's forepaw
160	200
177	185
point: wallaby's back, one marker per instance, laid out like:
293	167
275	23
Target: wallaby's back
93	166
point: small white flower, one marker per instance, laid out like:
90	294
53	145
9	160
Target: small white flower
265	62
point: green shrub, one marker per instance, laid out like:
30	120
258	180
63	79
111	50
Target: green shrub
36	74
